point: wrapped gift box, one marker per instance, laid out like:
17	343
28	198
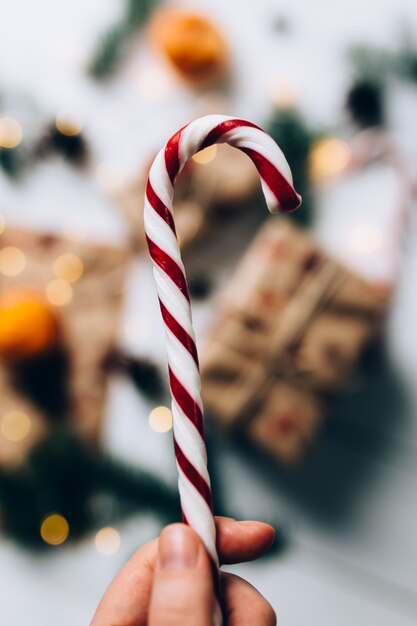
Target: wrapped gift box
287	421
292	327
88	322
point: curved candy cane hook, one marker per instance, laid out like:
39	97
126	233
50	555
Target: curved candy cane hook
184	377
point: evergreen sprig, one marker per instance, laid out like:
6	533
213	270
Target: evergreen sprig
113	44
295	138
381	64
11	161
62	474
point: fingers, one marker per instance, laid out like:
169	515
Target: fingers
126	601
182	591
242	541
244	605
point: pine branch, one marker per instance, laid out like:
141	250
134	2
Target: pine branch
62	474
113	44
294	137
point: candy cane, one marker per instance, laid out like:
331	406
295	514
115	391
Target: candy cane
171	283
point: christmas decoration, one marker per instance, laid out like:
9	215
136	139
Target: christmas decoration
373	69
373	61
294	323
28	325
276	180
365	103
65	480
193	45
73	302
114	42
11	133
214	189
56	353
11	161
328	158
63	136
291	132
11	156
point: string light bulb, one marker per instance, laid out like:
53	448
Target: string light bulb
160	419
59	292
11	133
107	541
54	529
68	124
15	426
68	267
328	158
12	261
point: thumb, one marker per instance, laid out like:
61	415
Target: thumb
182	591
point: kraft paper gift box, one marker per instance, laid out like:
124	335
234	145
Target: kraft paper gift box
89	322
292	326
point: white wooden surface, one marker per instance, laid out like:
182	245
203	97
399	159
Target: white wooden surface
351	514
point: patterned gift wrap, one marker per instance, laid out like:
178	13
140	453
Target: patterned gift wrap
292	327
88	322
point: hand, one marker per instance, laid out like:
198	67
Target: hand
168	582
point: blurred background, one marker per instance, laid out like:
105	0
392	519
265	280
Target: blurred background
305	325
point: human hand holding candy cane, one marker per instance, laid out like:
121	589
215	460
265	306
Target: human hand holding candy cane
171	283
176	598
169	582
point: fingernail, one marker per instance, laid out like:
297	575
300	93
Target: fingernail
178	548
254	524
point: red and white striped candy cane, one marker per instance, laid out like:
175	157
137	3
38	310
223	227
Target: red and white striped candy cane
184	377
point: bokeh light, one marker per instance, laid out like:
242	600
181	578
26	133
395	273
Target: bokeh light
12	261
68	124
11	132
68	267
328	157
205	156
15	426
54	529
59	292
160	419
107	541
